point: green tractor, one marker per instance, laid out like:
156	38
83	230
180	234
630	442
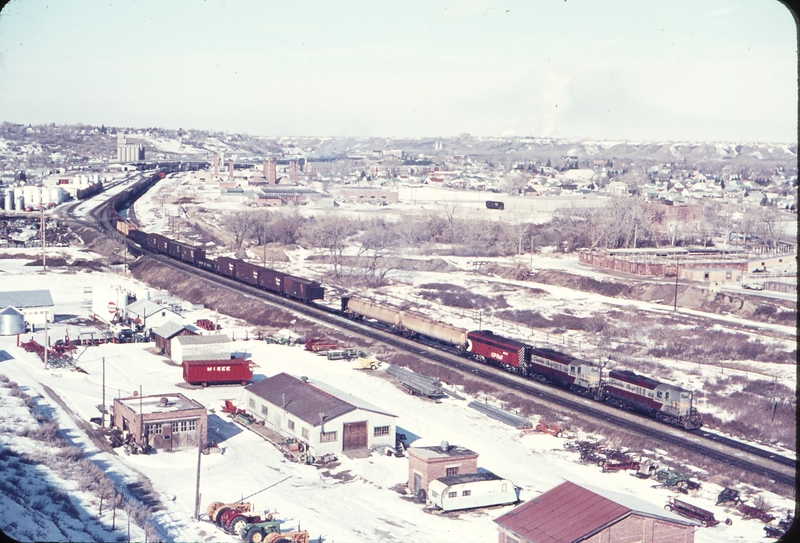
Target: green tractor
269	531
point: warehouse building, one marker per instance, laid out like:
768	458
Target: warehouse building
170	422
326	419
570	513
35	305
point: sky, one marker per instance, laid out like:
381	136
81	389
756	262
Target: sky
636	70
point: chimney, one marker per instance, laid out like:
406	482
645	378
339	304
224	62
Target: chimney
445	446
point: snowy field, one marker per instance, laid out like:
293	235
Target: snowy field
357	501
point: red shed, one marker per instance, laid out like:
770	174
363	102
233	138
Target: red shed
570	513
204	372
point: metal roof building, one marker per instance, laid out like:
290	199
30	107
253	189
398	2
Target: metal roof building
326	419
570	513
210	347
34	304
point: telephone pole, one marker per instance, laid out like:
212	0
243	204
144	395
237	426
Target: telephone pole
197	485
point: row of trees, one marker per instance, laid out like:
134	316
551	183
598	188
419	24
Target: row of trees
365	246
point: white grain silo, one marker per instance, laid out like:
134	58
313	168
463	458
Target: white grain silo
8	199
36	198
58	195
12	322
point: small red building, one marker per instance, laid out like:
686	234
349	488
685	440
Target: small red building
570	513
426	464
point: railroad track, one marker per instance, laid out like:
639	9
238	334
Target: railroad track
716	447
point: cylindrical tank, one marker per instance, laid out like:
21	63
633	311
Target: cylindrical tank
19	202
9	198
11	322
386	315
436	330
36	198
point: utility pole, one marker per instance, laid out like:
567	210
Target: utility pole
45	341
677	268
103	405
41	228
197	485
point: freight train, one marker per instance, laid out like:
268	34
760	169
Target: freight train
258	276
622	388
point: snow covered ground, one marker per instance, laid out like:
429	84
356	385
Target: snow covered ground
358	500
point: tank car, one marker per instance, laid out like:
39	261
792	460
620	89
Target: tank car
359	308
441	331
665	402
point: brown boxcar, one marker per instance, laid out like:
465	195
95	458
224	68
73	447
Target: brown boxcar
271	280
226	265
191	254
159	243
174	248
247	272
302	289
204	372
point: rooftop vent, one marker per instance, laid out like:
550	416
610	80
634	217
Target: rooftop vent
445	446
163	402
304	378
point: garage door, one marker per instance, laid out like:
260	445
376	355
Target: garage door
355	436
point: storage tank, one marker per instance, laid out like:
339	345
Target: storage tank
19	203
36	198
11	322
8	200
45	196
436	330
386	315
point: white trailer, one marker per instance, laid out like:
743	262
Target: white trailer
472	490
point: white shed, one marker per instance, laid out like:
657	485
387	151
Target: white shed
472	490
35	305
326	419
210	347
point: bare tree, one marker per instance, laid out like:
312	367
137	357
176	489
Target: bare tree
331	232
105	489
238	224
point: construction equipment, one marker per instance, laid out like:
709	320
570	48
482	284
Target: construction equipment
216	509
749	511
318	344
270	532
782	527
552	429
729	495
688	510
680	481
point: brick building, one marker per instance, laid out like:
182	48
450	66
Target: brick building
570	513
426	464
169	422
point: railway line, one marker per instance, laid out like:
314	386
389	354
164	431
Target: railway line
716	447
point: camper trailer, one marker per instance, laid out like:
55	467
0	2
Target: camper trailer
471	490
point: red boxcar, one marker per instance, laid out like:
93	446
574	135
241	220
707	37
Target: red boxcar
246	272
226	265
271	280
204	372
499	350
302	289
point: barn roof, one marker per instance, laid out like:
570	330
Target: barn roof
305	400
145	308
203	340
26	298
550	517
169	329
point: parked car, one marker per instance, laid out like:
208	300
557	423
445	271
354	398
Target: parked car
753	285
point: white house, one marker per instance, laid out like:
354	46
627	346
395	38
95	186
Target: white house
35	305
149	315
326	419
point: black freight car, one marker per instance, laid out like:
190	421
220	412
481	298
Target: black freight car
138	236
302	289
246	272
271	280
206	264
492	204
158	242
225	265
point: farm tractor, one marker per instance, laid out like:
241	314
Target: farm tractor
270	532
233	517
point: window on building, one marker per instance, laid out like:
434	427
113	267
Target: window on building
451	472
304	433
184	425
153	429
327	437
192	425
466	492
264	410
174	426
452	494
291	425
251	403
381	431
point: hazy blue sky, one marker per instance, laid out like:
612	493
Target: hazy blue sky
621	69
